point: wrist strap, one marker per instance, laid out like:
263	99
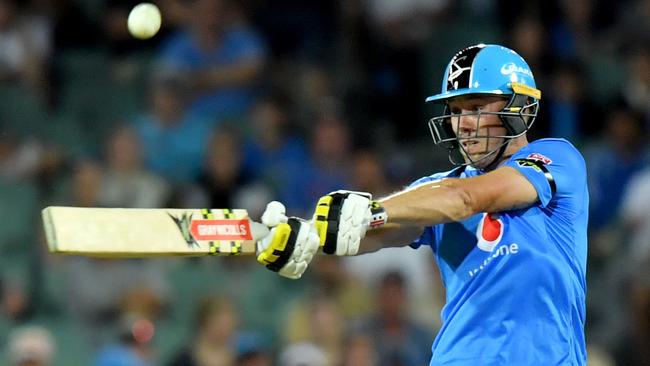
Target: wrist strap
378	217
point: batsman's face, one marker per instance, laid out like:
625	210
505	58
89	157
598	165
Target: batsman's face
480	132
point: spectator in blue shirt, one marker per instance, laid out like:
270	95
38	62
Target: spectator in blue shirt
174	141
221	56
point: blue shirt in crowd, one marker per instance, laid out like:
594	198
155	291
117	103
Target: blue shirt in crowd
237	45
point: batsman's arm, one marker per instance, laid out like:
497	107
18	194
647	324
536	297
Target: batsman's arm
454	199
447	200
389	236
342	219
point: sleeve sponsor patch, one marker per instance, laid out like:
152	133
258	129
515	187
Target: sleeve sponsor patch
540	167
530	163
539	157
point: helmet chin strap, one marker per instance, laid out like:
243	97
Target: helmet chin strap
496	154
497	157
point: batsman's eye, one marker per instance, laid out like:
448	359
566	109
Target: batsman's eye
454	119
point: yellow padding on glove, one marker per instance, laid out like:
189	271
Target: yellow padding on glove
320	217
278	243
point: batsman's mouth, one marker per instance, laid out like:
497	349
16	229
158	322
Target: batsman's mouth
474	147
467	143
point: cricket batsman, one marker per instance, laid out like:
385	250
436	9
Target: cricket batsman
507	226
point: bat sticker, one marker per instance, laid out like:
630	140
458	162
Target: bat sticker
183	224
530	163
539	167
224	229
539	157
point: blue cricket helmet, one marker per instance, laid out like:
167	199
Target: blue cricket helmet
486	69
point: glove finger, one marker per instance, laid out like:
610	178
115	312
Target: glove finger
309	246
313	243
264	242
274	214
290	270
355	209
342	247
353	246
299	269
275	247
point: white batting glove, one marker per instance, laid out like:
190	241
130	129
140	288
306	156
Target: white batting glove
274	214
291	244
342	219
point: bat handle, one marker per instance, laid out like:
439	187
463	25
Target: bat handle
259	231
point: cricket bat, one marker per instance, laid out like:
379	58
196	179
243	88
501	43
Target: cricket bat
137	232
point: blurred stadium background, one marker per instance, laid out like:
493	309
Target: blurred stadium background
295	99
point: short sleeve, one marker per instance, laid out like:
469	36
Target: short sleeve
427	238
553	166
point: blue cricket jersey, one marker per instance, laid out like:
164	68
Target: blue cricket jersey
515	280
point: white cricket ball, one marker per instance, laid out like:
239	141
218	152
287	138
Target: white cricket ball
144	21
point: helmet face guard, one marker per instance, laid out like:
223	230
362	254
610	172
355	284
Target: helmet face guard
485	70
517	118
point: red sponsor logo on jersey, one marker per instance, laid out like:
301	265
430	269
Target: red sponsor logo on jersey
489	232
224	229
539	157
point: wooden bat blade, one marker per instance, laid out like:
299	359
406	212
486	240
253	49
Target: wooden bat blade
134	233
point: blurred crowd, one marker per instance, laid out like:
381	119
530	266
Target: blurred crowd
236	103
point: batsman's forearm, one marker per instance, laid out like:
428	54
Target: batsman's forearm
388	236
429	204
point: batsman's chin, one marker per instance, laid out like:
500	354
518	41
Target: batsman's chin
478	160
